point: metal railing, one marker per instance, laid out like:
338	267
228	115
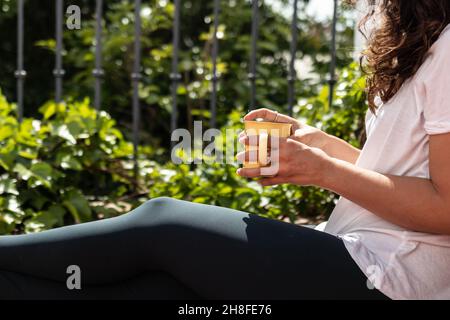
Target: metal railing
175	76
98	72
59	71
292	72
20	72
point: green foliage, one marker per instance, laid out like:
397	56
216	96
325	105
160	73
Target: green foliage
219	185
345	118
195	58
48	166
73	165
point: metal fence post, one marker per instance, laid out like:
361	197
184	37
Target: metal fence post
292	72
332	81
215	52
20	73
175	75
252	74
98	71
136	77
59	71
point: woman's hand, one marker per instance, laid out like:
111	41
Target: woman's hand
295	163
308	135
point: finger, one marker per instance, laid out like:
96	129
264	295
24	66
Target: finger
267	182
248	138
265	114
305	134
242	137
271	116
272	170
249	173
247	156
286	144
253	140
278	144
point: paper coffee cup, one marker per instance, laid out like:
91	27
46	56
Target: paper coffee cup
260	133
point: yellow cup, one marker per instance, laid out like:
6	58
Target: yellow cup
263	131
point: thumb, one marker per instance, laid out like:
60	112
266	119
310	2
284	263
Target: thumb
304	135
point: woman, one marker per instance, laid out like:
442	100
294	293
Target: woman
391	226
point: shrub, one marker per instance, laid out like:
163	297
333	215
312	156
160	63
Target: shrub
48	166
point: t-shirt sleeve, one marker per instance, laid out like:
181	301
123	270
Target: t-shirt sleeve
436	85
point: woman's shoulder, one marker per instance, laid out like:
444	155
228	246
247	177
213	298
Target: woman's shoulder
433	86
438	57
442	45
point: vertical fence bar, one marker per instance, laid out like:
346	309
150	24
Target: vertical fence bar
254	41
59	71
20	73
292	72
332	81
215	52
175	75
136	78
98	71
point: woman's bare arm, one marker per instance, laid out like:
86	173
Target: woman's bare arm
414	203
340	149
417	204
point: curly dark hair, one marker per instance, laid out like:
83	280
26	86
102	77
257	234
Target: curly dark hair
399	44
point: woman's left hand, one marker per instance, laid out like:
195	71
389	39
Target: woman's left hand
295	163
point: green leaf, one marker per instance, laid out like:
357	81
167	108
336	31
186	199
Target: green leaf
69	162
51	218
77	130
8	185
43	173
5	227
28	154
64	132
48	110
48	44
22	171
77	205
7	160
38	201
6	132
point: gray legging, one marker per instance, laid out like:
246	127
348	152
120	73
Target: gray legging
170	249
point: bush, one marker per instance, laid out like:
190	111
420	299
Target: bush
73	165
48	166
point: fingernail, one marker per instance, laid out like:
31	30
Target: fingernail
238	171
242	140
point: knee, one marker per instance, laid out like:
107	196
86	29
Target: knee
159	204
158	207
157	212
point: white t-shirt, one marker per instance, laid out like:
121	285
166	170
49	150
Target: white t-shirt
401	263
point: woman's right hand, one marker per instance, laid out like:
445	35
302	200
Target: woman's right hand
303	133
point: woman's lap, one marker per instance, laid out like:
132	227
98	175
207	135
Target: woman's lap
216	252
